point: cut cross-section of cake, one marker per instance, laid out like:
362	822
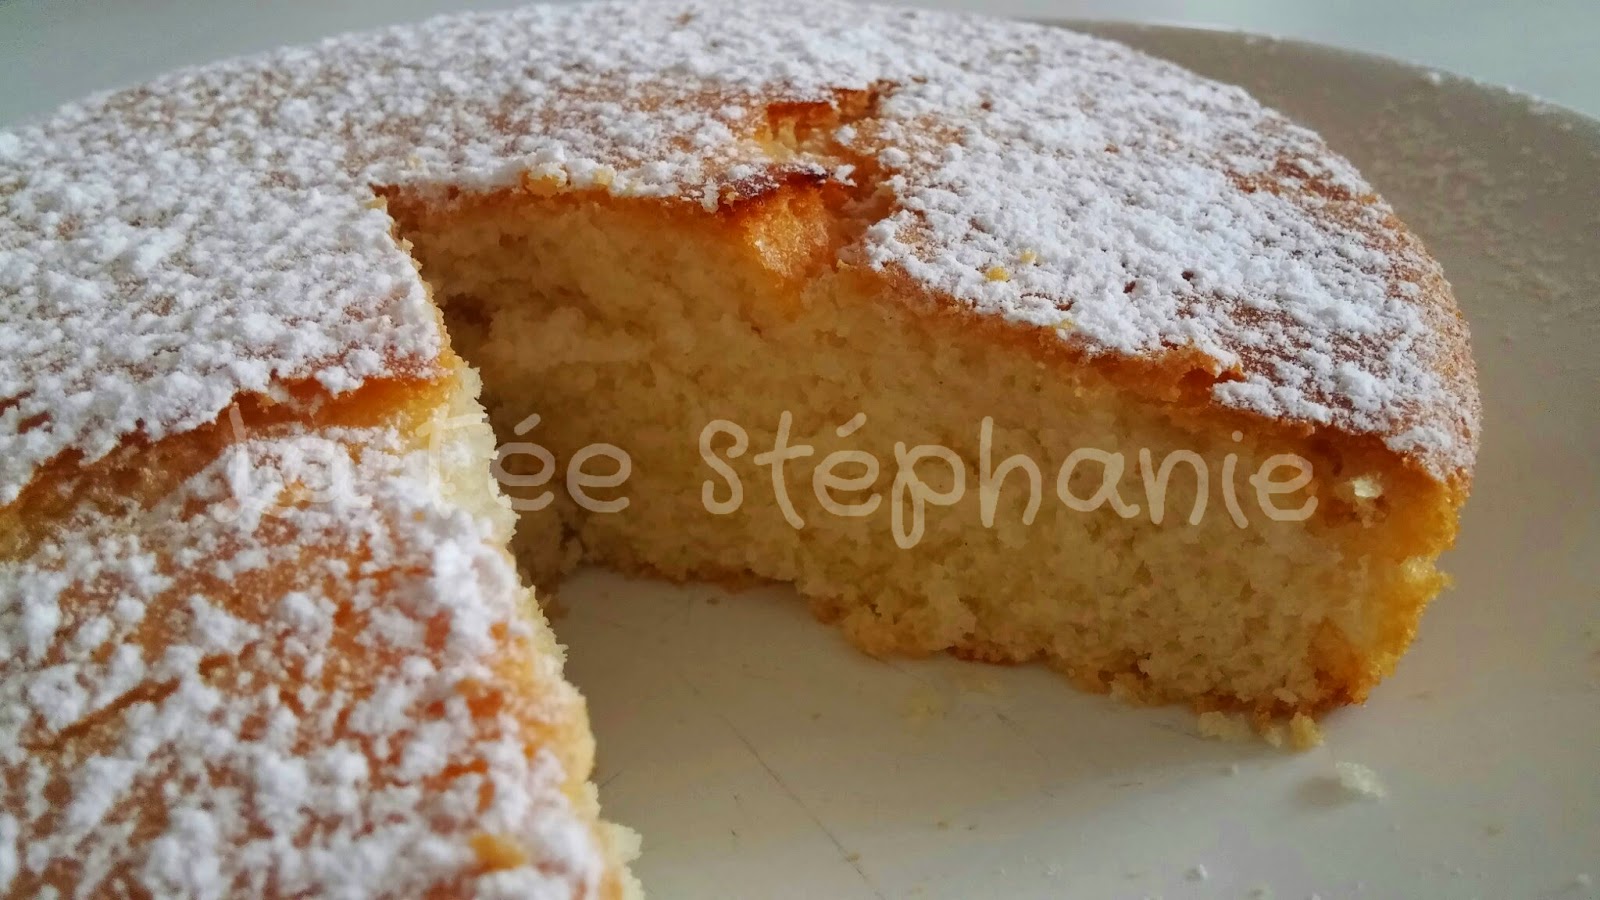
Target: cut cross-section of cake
990	337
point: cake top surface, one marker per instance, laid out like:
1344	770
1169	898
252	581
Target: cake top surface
236	692
167	248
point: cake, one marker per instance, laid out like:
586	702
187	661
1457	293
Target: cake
990	337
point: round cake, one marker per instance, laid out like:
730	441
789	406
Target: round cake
990	337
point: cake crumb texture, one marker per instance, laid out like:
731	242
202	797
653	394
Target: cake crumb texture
1360	781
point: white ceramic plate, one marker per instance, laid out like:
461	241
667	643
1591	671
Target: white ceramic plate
761	757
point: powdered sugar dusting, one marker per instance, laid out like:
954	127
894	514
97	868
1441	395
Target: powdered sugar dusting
1139	210
166	248
245	694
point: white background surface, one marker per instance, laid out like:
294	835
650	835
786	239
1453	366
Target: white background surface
52	51
761	758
